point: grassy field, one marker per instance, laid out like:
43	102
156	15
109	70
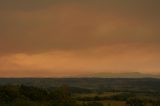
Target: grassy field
107	98
117	103
113	103
105	94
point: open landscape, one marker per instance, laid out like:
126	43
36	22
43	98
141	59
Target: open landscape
79	92
79	52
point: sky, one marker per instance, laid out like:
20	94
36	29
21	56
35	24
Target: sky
52	38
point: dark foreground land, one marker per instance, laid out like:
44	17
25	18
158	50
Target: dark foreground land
79	92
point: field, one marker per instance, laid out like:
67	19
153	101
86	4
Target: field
106	100
120	98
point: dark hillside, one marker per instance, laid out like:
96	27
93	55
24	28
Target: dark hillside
100	84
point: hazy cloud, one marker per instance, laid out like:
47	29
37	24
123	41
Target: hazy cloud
121	27
75	26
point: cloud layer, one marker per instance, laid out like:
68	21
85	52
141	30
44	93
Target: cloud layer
84	35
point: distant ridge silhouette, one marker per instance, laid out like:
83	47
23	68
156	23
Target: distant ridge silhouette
122	75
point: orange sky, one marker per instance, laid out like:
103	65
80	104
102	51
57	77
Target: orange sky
50	38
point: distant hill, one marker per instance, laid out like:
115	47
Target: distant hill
121	75
95	84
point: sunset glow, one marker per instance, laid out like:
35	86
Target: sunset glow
52	38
